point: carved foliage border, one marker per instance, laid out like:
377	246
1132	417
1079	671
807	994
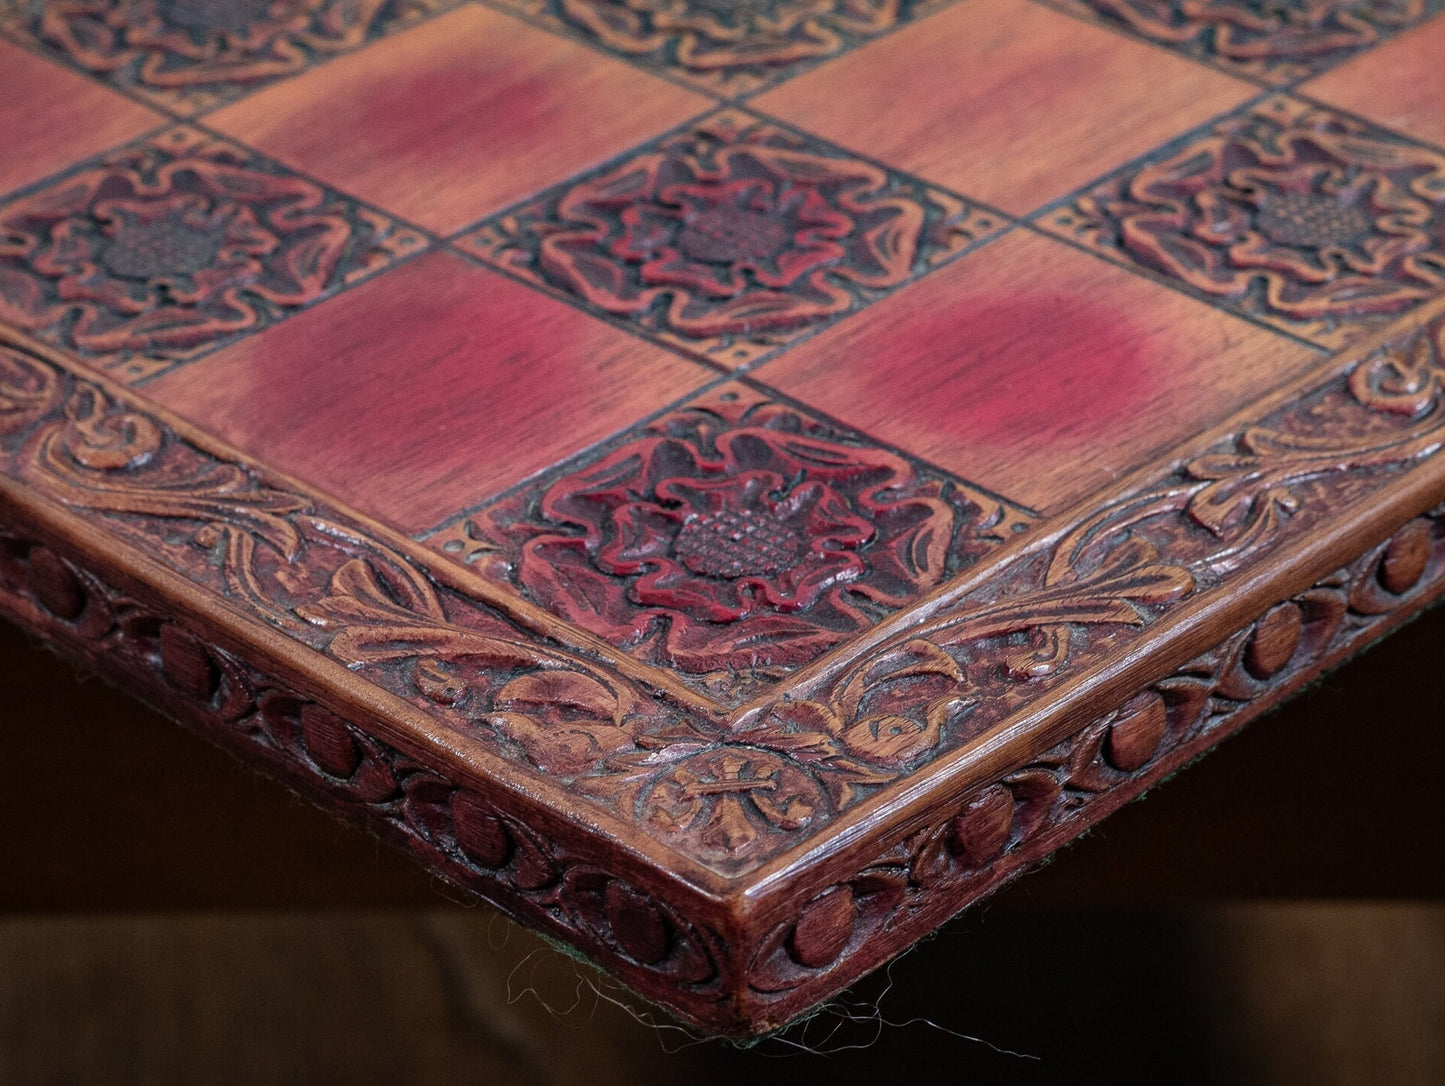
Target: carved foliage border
569	888
996	831
937	680
729	794
308	570
354	600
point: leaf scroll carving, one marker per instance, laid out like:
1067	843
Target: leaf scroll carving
730	793
938	681
1001	826
286	557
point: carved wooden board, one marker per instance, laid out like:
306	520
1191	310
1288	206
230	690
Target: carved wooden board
731	483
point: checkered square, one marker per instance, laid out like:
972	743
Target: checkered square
1305	219
732	236
160	251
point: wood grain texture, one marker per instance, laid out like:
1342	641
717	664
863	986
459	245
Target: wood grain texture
429	392
1036	371
1400	85
772	551
732	802
1004	119
455	119
818	946
36	102
1316	222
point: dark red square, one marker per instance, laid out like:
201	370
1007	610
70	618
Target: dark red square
734	538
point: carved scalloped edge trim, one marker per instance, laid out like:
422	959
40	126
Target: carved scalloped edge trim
995	832
1123	590
1334	499
989	674
670	944
711	971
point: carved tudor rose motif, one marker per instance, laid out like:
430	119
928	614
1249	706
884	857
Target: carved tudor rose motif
169	247
1278	40
1311	221
192	53
737	535
728	45
732	236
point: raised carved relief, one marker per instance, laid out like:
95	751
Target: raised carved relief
567	888
732	792
1000	828
734	536
302	567
732	236
1278	41
726	46
1319	224
167	248
191	54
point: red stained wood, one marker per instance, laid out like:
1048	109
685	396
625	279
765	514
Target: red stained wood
1036	370
1400	85
37	103
448	122
771	676
1005	101
424	392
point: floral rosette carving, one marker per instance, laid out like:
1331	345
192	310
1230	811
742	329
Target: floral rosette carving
733	536
732	236
1316	223
733	790
729	46
167	248
1279	41
193	53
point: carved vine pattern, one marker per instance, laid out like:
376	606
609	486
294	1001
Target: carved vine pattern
999	829
728	794
567	887
993	833
307	570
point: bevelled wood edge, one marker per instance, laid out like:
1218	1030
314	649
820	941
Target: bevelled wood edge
1105	599
673	946
174	567
809	945
335	602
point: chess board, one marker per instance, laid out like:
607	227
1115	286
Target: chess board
731	483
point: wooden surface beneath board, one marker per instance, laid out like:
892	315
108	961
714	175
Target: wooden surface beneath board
711	479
